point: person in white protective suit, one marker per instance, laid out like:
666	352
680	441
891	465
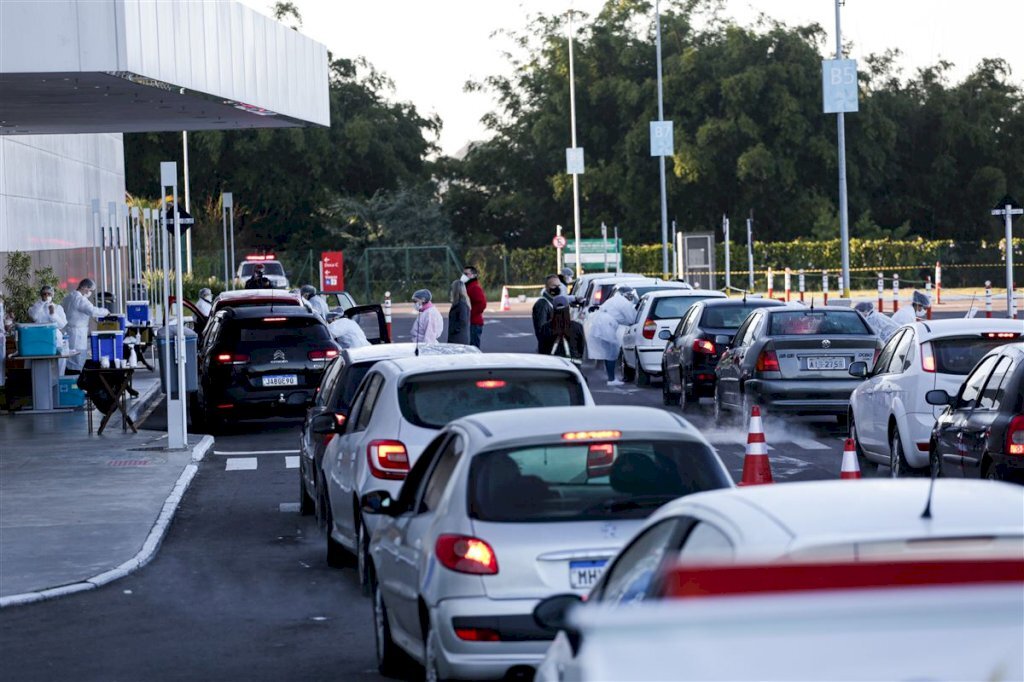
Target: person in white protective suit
45	311
429	324
347	333
79	310
604	338
881	325
919	304
316	301
205	302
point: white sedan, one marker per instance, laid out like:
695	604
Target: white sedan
890	421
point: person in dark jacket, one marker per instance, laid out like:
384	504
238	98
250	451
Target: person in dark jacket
458	315
561	336
477	303
258	279
544	306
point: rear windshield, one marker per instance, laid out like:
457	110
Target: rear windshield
433	400
594	481
672	306
270	268
959	356
640	291
350	382
292	330
799	322
727	316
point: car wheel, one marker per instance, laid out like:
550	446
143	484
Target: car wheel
306	504
430	673
391	660
337	557
363	558
321	502
197	417
898	466
718	409
867	466
844	421
934	463
642	377
748	407
668	397
626	371
990	471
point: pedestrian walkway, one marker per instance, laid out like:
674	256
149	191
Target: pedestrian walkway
79	510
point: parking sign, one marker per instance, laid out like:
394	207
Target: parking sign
839	85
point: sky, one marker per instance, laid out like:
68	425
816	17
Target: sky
430	49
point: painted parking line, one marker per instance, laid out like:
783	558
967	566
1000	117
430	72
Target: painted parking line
808	444
291	462
241	464
254	452
291	507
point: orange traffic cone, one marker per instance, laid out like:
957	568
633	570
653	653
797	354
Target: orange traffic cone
505	305
756	468
851	468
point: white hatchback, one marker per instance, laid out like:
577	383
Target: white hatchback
643	344
889	419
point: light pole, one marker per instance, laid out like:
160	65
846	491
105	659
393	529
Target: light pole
575	175
188	206
844	227
661	158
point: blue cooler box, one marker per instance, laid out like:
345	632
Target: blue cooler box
138	312
68	393
37	339
110	344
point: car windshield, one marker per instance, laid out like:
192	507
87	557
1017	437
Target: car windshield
433	400
726	316
959	356
269	268
810	322
612	480
672	306
260	333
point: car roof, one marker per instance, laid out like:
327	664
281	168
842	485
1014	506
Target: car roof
388	351
868	510
255	311
670	292
435	363
226	297
615	279
964	326
758	302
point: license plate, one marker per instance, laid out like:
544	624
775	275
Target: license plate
826	363
584	574
281	380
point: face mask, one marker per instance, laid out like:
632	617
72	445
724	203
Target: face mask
207	298
553	290
47	299
464	279
87	293
418	305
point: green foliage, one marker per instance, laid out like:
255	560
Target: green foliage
21	285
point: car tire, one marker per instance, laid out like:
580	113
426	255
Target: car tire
843	421
898	466
934	463
748	407
868	468
363	559
668	397
430	672
627	372
321	502
307	507
719	409
337	557
391	660
643	379
989	471
197	417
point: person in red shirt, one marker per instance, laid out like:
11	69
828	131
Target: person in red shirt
477	303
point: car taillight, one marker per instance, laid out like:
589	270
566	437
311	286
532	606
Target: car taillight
321	355
477	635
274	319
1015	436
650	328
703	346
465	554
927	357
597	296
232	358
490	383
1001	335
767	361
600	457
388	459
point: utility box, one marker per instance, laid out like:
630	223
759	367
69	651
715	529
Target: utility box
191	360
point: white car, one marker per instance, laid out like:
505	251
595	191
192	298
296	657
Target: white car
818	521
889	419
643	344
272	270
400	406
506	508
600	288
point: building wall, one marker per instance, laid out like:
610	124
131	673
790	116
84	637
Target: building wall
47	184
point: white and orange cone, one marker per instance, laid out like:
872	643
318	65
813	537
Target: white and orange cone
505	304
851	468
756	467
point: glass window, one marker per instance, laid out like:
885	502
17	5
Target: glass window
751	330
672	306
369	401
741	332
902	355
420	470
727	316
349	382
590	481
882	364
269	268
823	322
959	356
974	382
706	544
441	474
287	333
629	578
329	381
990	395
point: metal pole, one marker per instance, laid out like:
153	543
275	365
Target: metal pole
661	159
1010	312
188	206
844	227
224	201
575	176
728	270
680	267
604	244
231	232
750	253
558	251
675	261
618	252
94	223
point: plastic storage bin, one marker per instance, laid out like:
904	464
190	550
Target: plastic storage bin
138	312
37	339
68	393
191	360
110	344
111	323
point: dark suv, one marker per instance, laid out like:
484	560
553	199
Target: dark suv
261	361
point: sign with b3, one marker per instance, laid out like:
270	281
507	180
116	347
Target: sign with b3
839	85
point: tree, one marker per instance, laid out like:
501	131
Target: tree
282	10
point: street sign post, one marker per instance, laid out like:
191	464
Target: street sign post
558	242
332	271
839	85
1008	208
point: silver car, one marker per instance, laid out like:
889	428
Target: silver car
507	508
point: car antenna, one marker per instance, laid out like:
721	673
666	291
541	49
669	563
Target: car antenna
416	352
927	513
812	303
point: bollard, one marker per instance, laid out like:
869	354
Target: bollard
387	313
771	282
789	275
800	284
895	292
938	282
988	298
881	293
928	291
824	286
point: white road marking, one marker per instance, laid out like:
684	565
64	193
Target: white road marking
255	452
291	462
241	464
808	444
291	507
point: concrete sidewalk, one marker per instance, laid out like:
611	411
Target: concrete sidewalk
80	510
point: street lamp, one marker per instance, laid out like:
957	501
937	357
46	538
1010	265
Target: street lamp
574	161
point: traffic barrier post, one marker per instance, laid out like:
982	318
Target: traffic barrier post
788	280
938	282
928	292
824	286
771	282
988	298
895	292
800	283
881	293
387	314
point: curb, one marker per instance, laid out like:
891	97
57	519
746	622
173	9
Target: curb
144	555
145	402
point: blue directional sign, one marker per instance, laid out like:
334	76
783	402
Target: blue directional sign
839	85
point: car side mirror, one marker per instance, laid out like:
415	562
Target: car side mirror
938	397
551	614
329	423
665	334
858	369
378	502
593	308
722	339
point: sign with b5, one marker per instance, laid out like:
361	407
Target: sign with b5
839	85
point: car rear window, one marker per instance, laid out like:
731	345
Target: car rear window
433	400
959	356
800	322
726	317
593	481
259	332
269	268
350	382
673	306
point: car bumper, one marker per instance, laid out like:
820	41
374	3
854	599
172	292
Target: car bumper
523	642
261	403
919	430
650	359
803	396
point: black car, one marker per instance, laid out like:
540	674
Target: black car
692	352
981	432
260	361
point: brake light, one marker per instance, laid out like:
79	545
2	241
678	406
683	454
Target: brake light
1015	436
274	319
477	635
591	435
1001	335
598	296
600	457
491	383
225	406
650	328
767	361
927	357
465	554
340	419
232	358
321	355
703	346
260	257
388	459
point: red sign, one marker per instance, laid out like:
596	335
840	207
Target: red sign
332	271
558	242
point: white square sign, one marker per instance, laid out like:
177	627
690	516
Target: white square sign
839	85
661	138
574	160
